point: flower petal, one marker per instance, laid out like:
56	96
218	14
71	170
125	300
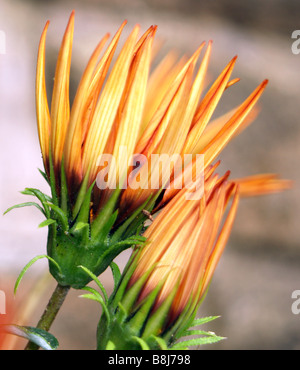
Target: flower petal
42	108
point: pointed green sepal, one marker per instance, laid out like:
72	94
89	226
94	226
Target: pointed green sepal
104	215
26	204
47	222
62	218
30	263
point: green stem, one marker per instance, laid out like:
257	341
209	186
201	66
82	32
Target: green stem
50	312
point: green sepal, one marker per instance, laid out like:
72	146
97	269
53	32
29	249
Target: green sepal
97	281
159	342
110	346
186	344
116	273
140	315
43	173
64	196
47	222
30	263
52	180
84	211
95	296
123	230
117	295
203	320
144	346
62	218
80	196
26	204
157	321
104	215
43	198
133	292
111	252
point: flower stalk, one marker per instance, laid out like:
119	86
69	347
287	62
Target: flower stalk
51	311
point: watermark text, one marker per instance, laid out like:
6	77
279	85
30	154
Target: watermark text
296	44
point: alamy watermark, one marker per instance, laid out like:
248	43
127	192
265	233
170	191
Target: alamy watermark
296	304
296	43
2	42
154	172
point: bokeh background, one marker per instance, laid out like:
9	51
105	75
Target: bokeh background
253	285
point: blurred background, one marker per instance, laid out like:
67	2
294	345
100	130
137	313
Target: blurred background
252	287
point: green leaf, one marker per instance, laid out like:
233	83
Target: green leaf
40	337
30	263
26	204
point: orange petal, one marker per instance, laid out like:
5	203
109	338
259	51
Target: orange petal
221	243
128	121
107	107
153	132
216	125
60	104
261	184
207	107
212	150
42	108
72	149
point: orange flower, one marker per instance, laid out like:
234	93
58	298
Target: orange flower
128	104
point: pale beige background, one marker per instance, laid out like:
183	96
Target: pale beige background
259	270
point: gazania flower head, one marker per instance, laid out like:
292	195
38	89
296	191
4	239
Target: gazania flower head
156	300
99	153
166	279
